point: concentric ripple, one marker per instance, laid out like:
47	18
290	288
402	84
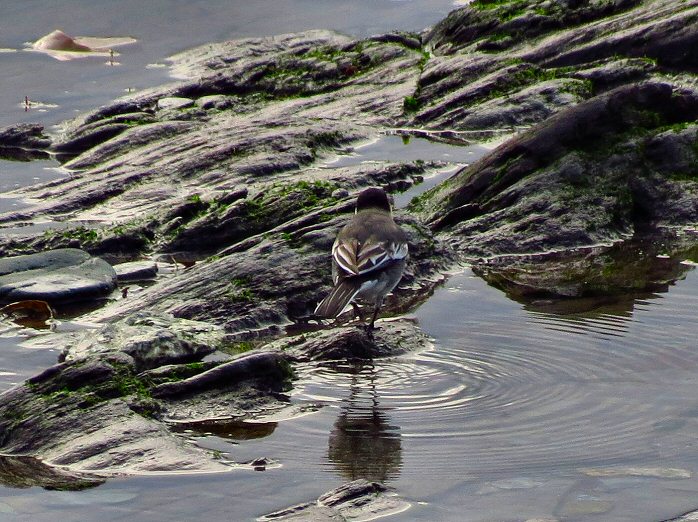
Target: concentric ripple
508	389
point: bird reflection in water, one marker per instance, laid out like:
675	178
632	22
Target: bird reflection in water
363	444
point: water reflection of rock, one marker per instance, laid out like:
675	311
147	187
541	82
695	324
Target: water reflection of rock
596	281
363	444
228	428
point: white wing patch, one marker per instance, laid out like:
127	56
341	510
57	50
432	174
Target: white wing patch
356	259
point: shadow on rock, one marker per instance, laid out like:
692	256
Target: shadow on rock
21	471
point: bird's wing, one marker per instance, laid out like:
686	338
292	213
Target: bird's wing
358	258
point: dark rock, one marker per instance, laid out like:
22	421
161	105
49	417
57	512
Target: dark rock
94	414
272	367
580	178
24	136
394	337
136	271
56	276
22	471
88	138
359	499
636	267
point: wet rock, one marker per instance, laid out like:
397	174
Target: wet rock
270	366
94	414
23	136
630	268
56	276
581	178
22	471
100	412
357	500
151	341
136	271
394	337
215	101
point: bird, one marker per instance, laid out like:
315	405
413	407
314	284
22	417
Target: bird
368	258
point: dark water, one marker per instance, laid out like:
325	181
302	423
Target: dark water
577	410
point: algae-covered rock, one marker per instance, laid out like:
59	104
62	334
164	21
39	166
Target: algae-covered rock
151	340
589	175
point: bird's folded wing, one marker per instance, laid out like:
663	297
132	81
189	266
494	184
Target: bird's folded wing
357	258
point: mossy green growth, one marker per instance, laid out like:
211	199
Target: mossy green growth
289	375
411	104
492	4
238	347
238	291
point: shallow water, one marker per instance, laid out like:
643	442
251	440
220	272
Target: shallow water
162	28
515	414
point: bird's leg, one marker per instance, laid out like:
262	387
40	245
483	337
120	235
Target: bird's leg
371	326
357	312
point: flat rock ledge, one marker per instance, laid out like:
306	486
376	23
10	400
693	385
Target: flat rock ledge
357	500
112	406
57	276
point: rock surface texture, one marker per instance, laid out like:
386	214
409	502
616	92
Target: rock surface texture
227	173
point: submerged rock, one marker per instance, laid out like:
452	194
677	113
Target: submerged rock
635	267
55	276
357	500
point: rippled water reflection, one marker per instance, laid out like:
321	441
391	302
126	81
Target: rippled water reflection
515	413
519	400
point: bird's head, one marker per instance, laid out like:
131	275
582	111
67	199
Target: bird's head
373	197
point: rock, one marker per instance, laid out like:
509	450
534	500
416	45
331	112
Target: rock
22	471
646	265
23	136
238	186
394	337
98	412
270	366
214	101
59	41
357	500
151	341
174	102
136	271
56	276
93	415
560	185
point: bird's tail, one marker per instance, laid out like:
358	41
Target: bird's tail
340	296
